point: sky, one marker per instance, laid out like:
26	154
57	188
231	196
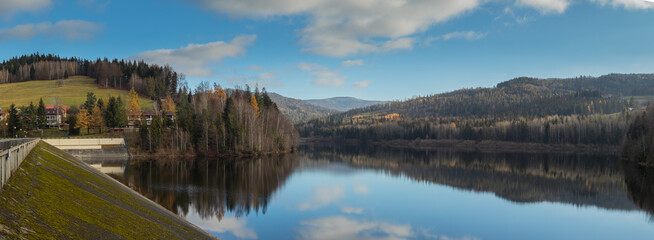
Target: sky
370	49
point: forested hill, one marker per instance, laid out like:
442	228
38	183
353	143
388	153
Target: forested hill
520	97
299	110
615	84
343	103
552	111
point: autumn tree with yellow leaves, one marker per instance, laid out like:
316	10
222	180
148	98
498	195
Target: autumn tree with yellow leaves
133	108
83	120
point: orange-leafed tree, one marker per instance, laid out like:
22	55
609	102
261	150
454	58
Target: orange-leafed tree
254	104
133	108
168	104
83	120
96	119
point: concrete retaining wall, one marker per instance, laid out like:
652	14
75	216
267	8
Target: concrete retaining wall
12	154
94	150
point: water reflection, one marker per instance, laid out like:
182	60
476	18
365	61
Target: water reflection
212	187
640	183
519	177
324	202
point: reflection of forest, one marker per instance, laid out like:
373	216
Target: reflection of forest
640	182
575	179
213	187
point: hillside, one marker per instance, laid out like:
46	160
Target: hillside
582	110
298	110
72	93
343	103
523	97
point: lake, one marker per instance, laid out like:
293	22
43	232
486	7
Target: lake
373	193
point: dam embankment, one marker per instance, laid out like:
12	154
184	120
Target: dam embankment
53	195
95	150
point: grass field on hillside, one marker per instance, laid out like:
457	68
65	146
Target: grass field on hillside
72	93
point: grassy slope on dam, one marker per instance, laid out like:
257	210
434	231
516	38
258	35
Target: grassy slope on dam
55	196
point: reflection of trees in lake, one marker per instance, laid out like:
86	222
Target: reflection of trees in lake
212	187
640	183
576	179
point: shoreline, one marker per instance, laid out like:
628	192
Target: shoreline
468	145
139	157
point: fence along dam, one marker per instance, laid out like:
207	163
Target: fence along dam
49	194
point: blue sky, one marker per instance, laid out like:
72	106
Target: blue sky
371	49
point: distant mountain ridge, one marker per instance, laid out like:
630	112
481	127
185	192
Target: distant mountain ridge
343	103
298	110
301	110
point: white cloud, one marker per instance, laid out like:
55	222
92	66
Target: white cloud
195	59
352	63
322	197
328	79
266	76
238	227
351	210
256	68
361	189
66	29
362	84
545	6
468	35
310	66
9	7
340	227
343	27
628	4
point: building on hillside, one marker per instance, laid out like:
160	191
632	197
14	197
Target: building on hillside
149	115
2	114
55	116
133	118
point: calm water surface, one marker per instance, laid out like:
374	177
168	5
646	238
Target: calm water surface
343	193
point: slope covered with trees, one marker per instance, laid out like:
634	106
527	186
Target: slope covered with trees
639	141
343	103
208	119
558	111
299	110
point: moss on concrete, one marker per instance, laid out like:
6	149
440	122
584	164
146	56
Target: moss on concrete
55	196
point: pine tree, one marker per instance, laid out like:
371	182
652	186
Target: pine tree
41	116
14	121
90	102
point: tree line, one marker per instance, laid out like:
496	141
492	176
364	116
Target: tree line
639	139
211	119
521	110
574	129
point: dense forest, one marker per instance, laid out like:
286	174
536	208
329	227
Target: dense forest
639	142
208	119
213	120
520	110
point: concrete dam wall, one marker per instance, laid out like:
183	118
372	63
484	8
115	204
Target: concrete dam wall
53	195
95	150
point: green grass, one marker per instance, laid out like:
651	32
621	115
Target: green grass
55	196
72	93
